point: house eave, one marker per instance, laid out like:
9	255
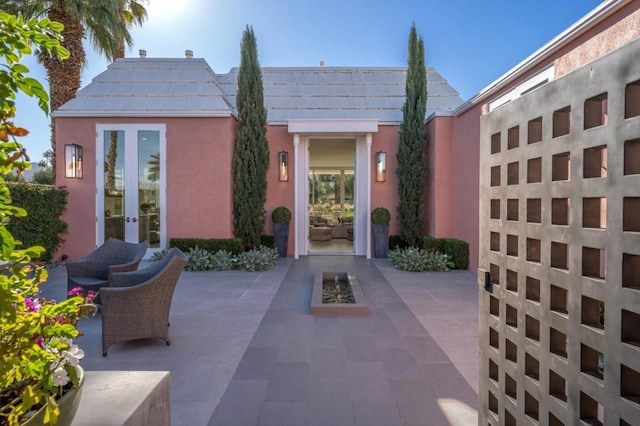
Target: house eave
324	126
120	114
597	15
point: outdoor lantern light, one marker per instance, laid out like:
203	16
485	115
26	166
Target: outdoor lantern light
283	166
73	161
381	166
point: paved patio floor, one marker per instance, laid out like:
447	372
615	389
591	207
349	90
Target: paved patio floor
245	350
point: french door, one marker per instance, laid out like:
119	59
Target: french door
130	181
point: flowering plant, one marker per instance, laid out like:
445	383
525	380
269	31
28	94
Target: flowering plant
37	354
39	359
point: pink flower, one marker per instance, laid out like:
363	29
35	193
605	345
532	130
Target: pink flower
33	305
91	294
77	291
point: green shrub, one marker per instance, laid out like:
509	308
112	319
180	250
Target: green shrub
199	259
380	215
429	243
260	259
42	226
418	260
267	241
223	260
281	215
158	255
457	250
212	245
397	241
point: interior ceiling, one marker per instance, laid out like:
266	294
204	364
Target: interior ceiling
332	153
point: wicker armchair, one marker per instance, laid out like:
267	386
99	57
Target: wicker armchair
136	304
93	271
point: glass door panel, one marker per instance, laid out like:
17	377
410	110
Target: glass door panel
114	190
149	187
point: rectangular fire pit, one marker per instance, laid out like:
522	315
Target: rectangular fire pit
351	302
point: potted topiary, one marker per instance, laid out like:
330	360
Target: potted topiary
380	218
281	217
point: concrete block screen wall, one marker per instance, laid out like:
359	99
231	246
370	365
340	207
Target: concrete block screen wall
560	236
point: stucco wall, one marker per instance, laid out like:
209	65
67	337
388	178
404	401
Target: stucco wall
198	159
617	30
439	177
385	194
465	152
280	193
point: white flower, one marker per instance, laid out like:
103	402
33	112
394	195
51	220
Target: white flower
60	376
73	355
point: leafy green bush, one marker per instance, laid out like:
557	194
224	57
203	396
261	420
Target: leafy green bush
212	245
199	259
258	259
42	226
457	250
157	256
418	260
397	241
429	243
281	215
223	260
380	215
267	241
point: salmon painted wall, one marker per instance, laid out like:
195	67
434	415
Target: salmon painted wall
439	177
199	185
385	194
280	193
465	153
199	152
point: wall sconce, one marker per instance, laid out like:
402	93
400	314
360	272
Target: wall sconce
283	166
73	161
381	166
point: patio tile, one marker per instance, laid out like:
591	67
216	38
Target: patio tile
376	414
328	363
296	347
257	363
360	349
275	413
329	403
368	382
417	403
258	358
241	403
399	363
289	381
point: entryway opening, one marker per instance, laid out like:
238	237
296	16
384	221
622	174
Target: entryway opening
332	187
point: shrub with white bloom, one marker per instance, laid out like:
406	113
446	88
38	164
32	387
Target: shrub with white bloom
60	376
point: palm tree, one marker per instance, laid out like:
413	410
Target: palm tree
106	22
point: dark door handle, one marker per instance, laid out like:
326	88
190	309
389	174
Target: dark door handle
134	220
127	219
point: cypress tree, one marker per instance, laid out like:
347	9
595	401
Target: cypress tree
251	154
411	155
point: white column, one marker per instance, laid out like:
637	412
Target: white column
297	176
369	142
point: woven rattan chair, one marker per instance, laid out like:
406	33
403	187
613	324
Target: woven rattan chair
93	271
136	304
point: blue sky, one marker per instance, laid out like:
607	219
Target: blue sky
470	42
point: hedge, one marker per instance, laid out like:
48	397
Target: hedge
212	245
457	250
397	241
42	226
267	241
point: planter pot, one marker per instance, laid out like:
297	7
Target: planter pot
380	239
281	238
68	405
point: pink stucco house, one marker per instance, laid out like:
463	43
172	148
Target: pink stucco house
157	137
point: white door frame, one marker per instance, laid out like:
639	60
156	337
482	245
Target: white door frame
131	179
362	131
